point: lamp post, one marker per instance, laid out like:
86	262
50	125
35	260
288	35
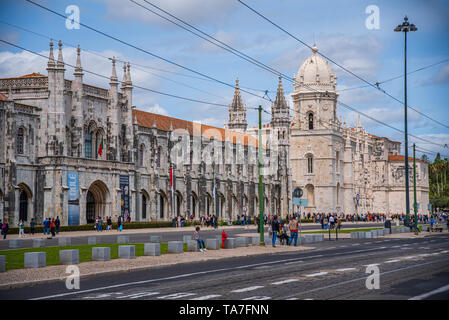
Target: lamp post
406	27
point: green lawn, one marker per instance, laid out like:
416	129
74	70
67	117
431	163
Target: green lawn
15	258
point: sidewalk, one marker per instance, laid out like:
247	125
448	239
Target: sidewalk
21	277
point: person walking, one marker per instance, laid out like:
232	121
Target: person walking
338	223
293	226
5	228
196	236
274	229
57	224
32	226
224	236
21	228
52	228
109	223
119	224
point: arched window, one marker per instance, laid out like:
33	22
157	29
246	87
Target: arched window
144	206
19	142
309	164
88	145
23	206
158	157
310	121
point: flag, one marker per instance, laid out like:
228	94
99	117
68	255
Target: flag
213	188
100	148
171	180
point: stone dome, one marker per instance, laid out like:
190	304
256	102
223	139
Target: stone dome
316	73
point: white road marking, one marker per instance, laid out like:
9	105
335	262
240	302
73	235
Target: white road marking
425	248
131	296
285	281
392	261
371	265
406	248
431	293
409	257
211	296
445	251
345	269
355	244
258	298
316	274
395	246
293	299
177	295
247	289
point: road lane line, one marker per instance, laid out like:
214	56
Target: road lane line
247	289
345	269
211	296
316	274
392	261
431	293
177	295
285	281
145	295
258	298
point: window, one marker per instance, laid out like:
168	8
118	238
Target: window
309	164
158	157
310	121
141	155
88	145
144	206
19	142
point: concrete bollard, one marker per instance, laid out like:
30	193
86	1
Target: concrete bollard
15	243
92	240
69	256
155	239
425	228
269	241
354	235
2	263
64	242
368	235
126	252
152	249
241	242
186	238
37	243
318	237
230	243
122	239
192	245
101	254
212	244
175	247
254	241
35	259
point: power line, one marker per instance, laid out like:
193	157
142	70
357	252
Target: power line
339	65
143	50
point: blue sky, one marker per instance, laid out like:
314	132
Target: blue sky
337	27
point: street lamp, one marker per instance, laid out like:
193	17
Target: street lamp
406	27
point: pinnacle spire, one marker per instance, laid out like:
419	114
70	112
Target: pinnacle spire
78	69
60	62
114	79
125	77
51	58
129	74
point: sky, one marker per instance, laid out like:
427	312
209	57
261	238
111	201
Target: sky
339	29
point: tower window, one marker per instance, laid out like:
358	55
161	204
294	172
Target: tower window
309	164
88	145
19	142
310	121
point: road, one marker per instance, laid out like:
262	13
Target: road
409	268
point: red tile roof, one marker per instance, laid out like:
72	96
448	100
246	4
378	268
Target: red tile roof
146	119
400	158
30	75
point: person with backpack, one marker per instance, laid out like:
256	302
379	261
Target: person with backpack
274	229
119	223
293	226
5	228
52	228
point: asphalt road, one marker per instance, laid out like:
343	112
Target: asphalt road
409	268
111	236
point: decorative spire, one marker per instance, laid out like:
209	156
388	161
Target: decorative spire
60	62
51	58
314	48
129	74
280	102
78	68
114	79
125	77
237	103
154	123
171	126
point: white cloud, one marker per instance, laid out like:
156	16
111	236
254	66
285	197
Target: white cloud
192	11
156	108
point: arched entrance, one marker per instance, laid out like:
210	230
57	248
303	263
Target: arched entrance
145	198
97	201
25	197
162	204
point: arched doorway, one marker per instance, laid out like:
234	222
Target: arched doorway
23	206
194	204
162	204
144	204
310	195
97	201
178	199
